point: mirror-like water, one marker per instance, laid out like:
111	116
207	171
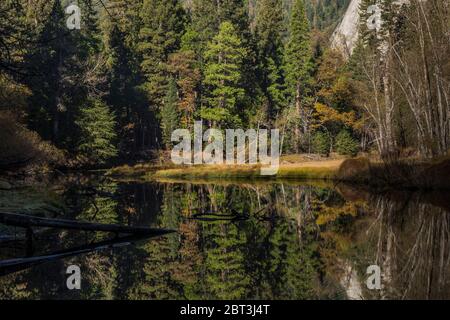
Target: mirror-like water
292	240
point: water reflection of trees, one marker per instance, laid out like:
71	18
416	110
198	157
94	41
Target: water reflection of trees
412	246
272	254
288	241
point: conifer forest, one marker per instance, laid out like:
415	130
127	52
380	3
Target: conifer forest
224	150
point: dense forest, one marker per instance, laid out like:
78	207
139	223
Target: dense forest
87	113
116	88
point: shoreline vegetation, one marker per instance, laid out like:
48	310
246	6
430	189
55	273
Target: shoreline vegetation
404	174
109	94
371	172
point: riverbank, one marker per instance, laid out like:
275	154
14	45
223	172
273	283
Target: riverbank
403	174
320	170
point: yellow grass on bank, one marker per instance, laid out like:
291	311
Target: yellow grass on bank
326	170
406	173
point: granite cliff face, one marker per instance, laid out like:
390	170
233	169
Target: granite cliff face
345	37
346	34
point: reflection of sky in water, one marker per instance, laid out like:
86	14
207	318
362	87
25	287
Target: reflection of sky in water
236	241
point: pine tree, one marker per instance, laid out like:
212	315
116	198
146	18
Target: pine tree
59	64
325	14
53	64
298	53
97	125
184	68
269	28
207	17
346	144
125	15
298	66
123	95
169	113
14	35
205	22
163	24
120	26
89	34
223	73
269	32
321	143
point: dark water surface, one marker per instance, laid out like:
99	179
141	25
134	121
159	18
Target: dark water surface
233	240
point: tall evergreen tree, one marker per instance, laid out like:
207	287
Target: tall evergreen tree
98	135
121	24
14	35
269	31
207	17
184	68
55	64
298	65
163	23
223	73
298	53
169	113
126	15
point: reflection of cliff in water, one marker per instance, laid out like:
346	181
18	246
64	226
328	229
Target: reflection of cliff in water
407	235
291	240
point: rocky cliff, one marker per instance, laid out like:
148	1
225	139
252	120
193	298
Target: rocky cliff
346	34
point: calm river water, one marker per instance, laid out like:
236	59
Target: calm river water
232	240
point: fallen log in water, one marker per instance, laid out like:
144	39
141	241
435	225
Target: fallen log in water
15	265
25	221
